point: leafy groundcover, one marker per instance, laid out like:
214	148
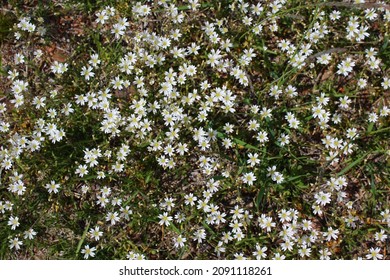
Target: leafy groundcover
194	129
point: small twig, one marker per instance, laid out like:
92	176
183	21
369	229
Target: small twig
333	50
7	10
295	16
251	89
353	5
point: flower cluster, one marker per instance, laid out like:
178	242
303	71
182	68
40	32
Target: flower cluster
199	130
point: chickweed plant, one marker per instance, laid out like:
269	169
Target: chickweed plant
195	129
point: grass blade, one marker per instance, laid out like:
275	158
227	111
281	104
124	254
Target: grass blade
82	238
351	165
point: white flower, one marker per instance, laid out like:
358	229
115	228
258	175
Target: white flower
372	117
259	253
15	243
59	68
95	233
324	59
239	256
322	198
386	83
52	187
112	217
331	234
249	178
30	234
345	67
165	219
13	222
179	241
277	177
88	252
82	170
324	254
253	159
374	254
380	236
87	72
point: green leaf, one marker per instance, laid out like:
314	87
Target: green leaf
291	179
370	127
379	130
259	197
